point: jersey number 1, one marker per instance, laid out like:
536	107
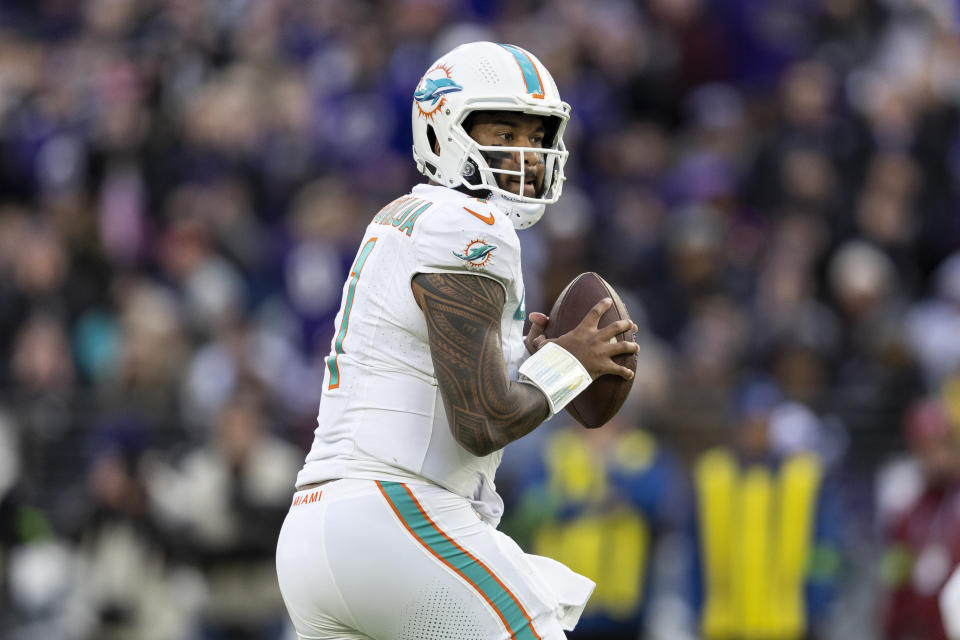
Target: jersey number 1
347	307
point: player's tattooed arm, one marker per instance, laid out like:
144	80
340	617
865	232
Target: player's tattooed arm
486	410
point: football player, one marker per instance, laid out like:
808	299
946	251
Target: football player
392	532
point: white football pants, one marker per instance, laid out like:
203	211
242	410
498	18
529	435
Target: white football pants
364	559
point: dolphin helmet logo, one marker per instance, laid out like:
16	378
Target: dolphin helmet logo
434	90
434	85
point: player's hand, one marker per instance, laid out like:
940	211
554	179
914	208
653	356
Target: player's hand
595	348
538	323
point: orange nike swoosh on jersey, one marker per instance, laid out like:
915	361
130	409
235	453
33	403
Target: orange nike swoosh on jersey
487	218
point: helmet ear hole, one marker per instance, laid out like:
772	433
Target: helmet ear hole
432	139
552	125
468	122
471	172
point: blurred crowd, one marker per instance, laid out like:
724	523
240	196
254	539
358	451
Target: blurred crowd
772	187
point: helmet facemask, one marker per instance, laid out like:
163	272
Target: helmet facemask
480	165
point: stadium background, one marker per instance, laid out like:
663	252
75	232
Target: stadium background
771	185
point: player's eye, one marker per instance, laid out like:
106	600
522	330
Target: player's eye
536	141
506	136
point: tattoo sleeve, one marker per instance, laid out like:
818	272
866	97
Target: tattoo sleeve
485	409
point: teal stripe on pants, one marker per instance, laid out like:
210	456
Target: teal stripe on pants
472	570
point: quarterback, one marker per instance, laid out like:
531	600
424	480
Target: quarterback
392	531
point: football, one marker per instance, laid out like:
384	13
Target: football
599	402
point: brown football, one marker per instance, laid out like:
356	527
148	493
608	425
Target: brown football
599	402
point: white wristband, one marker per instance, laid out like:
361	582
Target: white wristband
557	373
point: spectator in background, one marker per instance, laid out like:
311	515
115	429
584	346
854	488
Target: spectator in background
767	529
44	396
786	307
711	346
874	379
924	540
885	212
152	350
695	271
222	507
933	325
799	164
322	217
603	502
124	586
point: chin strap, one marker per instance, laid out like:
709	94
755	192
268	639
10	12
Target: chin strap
521	214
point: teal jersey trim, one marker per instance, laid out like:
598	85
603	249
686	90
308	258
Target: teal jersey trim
521	312
347	308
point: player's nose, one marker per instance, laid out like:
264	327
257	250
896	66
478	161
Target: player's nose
532	158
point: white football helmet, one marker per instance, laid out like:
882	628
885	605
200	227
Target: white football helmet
484	76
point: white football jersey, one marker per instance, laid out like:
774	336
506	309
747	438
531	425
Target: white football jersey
381	414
